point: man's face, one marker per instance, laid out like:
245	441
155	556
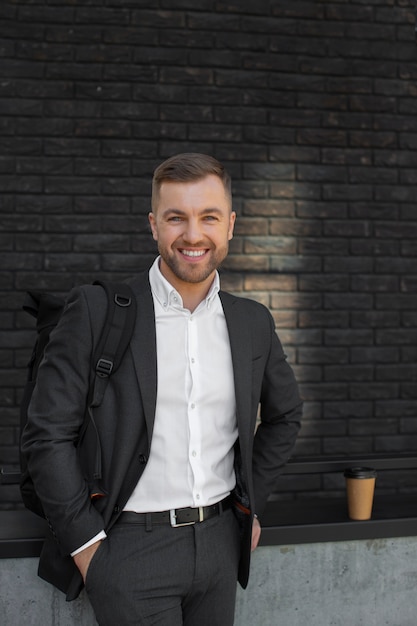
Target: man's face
193	224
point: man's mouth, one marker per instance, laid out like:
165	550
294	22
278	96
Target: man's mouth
193	253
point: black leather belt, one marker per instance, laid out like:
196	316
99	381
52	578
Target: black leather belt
177	517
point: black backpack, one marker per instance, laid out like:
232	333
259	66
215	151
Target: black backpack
108	354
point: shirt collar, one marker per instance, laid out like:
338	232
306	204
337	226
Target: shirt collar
168	296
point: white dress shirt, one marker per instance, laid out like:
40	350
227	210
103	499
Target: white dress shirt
191	458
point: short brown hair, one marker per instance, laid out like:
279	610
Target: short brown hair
187	167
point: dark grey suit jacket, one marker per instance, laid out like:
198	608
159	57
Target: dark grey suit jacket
83	492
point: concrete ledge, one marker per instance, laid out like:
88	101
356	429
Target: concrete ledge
323	584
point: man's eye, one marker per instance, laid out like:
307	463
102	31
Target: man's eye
174	218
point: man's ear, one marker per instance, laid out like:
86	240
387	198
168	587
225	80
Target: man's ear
232	221
152	222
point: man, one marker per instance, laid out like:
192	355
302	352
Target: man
163	535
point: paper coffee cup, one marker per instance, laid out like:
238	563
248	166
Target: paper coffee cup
360	487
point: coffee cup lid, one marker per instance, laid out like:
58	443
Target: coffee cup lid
360	472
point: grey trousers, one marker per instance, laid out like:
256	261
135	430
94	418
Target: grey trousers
159	575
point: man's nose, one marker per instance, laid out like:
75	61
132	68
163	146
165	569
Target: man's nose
192	233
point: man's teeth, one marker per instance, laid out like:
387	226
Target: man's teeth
193	253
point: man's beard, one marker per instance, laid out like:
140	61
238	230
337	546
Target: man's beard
190	272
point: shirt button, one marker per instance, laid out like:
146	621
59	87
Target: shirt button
193	406
194	453
198	496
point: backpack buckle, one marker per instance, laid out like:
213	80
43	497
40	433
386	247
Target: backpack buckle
121	300
104	367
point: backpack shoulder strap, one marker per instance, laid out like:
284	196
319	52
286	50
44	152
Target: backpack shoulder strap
115	337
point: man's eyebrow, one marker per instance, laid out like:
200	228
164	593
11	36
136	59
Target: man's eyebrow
175	211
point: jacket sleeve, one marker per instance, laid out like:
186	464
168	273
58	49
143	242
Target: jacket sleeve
280	419
55	416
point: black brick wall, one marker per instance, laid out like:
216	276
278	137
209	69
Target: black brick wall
312	105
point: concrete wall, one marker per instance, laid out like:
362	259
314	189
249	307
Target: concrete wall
353	583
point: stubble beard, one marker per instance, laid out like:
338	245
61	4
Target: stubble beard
194	273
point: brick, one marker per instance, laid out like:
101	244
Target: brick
350	228
348	373
56	262
396	372
400	302
347	192
296	301
335	210
269	245
324	392
67	224
102	167
30	204
44	14
132	263
323	427
249	226
374	283
371	390
323	282
281	208
284	319
90	15
350	265
325	319
348	337
101	243
296	338
395	444
323	355
347	446
374	354
71	185
42	243
246	263
294	227
69	34
113	90
294	264
72	146
266	282
373	426
104	205
354	156
375	319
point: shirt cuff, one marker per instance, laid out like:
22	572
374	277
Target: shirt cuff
101	535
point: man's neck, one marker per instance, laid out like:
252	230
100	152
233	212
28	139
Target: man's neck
192	294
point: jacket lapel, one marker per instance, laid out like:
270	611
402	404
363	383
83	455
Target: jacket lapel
143	348
241	349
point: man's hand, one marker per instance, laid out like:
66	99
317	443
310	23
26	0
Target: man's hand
256	533
83	559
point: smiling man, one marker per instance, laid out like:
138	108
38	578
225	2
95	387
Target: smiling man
185	479
193	223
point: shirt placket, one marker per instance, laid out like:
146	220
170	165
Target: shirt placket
194	415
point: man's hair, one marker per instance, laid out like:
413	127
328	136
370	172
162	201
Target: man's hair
189	167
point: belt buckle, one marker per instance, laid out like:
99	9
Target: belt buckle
175	524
